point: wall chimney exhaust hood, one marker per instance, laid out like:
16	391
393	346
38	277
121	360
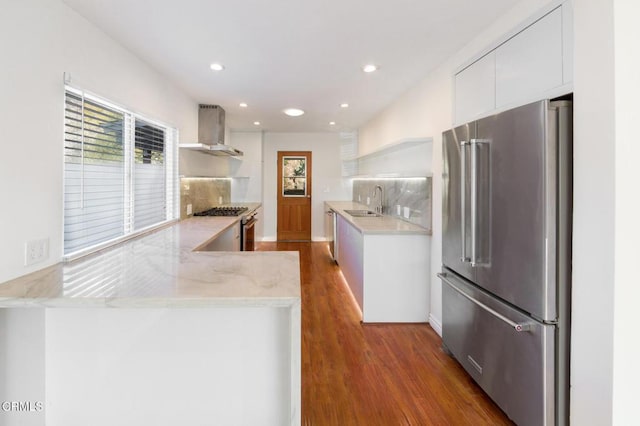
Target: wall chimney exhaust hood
211	133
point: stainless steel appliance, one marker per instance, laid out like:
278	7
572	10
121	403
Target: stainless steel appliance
330	227
248	231
211	127
247	223
223	211
506	250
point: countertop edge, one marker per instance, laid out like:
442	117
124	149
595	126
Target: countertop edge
417	229
151	302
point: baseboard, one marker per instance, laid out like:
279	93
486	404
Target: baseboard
318	239
435	324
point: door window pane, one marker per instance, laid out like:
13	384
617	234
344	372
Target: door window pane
294	176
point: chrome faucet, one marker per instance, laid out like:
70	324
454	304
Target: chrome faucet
380	199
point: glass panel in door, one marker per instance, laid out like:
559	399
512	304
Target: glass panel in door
294	176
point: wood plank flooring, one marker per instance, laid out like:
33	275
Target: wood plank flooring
384	374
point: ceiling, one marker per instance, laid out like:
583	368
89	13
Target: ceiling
293	53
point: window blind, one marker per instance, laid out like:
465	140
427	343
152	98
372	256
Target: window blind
94	178
149	173
120	173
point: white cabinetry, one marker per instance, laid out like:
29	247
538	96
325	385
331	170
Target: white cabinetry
532	64
476	88
388	274
350	257
228	240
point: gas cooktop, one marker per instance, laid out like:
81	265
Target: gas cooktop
223	211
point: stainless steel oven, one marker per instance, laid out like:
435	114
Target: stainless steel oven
248	225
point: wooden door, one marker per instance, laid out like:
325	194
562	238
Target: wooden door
294	195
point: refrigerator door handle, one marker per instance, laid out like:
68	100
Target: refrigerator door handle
463	207
519	327
474	145
474	200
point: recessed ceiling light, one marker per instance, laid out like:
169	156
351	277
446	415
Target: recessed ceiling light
293	112
345	105
243	105
332	123
369	68
257	123
217	67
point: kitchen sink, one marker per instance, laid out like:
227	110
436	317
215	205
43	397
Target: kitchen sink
362	213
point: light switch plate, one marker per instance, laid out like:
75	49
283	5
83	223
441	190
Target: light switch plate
189	209
36	251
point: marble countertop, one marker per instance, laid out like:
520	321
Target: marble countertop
375	225
160	269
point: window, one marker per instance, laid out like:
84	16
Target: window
120	173
294	176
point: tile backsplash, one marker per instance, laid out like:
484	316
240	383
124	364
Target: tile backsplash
203	193
402	197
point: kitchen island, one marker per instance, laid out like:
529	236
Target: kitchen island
152	332
385	262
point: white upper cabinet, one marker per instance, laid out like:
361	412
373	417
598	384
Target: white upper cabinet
530	63
475	88
533	64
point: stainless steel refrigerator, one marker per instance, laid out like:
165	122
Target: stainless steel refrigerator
506	250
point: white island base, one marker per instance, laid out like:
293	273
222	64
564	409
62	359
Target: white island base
151	366
151	332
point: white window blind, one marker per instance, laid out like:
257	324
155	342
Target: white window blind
150	186
120	173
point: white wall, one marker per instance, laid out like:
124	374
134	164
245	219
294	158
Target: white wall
326	168
39	41
626	344
246	187
593	226
200	164
427	110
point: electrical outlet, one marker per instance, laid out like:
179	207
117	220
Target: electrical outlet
36	251
220	199
189	209
368	200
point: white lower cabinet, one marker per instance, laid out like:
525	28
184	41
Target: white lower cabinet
228	240
350	257
388	274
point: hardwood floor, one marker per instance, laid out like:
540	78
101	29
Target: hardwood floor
384	374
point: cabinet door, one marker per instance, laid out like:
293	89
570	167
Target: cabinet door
235	245
475	89
350	258
530	64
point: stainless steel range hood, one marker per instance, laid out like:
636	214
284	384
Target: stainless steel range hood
211	133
